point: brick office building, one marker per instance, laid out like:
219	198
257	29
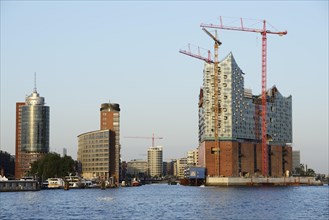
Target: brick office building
99	151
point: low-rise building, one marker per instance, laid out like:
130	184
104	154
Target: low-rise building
179	167
136	167
192	157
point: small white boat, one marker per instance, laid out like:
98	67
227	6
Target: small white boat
87	184
74	181
55	183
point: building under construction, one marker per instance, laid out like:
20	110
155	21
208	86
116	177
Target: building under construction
239	149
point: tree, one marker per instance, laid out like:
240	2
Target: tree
301	170
310	172
52	165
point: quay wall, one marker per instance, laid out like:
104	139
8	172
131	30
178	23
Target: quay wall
261	181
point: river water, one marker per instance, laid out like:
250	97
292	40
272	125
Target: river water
161	201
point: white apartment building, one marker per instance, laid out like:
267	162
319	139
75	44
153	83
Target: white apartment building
192	157
179	167
155	161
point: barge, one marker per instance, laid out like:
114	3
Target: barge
19	185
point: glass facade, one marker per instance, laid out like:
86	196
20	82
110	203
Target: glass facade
239	109
35	128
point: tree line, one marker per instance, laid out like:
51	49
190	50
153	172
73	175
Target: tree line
52	165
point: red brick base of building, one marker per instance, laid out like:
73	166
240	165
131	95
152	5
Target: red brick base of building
23	165
236	158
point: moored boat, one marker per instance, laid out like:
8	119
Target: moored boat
74	181
55	183
19	185
135	182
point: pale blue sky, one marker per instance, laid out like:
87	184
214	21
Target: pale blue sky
86	53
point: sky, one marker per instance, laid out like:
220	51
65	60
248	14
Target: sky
86	53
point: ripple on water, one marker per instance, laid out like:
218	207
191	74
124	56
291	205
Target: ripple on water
169	202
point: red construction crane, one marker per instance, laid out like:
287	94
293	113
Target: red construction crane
146	138
263	32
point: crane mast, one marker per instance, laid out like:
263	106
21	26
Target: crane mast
216	104
264	33
264	107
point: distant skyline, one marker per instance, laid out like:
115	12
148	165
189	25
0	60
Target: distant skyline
86	53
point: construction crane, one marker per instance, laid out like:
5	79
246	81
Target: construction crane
264	33
216	102
146	138
198	55
216	108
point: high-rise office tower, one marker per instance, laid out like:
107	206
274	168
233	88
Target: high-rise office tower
32	132
110	120
155	161
99	151
94	153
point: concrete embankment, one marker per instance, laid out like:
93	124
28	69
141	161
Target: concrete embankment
262	181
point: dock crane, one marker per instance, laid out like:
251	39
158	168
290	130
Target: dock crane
145	138
264	33
216	108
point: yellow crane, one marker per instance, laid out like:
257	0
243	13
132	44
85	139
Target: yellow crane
216	107
216	104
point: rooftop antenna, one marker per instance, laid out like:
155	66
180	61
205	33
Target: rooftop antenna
35	82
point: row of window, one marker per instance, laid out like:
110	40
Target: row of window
87	159
94	169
